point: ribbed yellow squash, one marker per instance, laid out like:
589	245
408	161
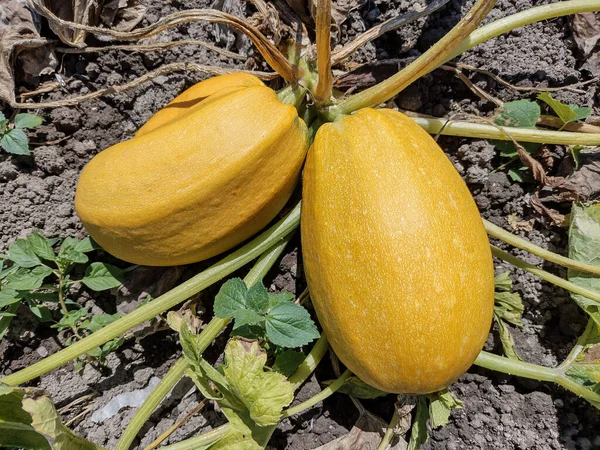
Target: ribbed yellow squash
198	92
395	253
199	184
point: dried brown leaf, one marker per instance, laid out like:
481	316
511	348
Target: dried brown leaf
557	218
366	434
586	31
122	15
18	37
539	174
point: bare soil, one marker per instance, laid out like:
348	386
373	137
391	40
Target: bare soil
500	412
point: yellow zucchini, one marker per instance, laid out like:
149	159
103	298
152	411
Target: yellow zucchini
199	184
396	257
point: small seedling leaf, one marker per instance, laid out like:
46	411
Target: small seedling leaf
566	113
15	142
441	405
21	253
288	361
290	325
68	252
419	434
41	246
28	120
101	276
584	246
231	297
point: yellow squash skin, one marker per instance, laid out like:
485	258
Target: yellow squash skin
200	91
396	257
199	184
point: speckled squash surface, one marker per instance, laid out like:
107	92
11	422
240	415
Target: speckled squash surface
395	253
195	94
197	185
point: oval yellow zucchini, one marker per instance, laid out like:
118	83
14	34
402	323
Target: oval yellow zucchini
197	93
199	184
396	257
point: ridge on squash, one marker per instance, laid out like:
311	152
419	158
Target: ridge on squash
396	257
199	184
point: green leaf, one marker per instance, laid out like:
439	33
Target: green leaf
99	321
257	298
68	252
503	283
518	114
15	424
86	245
9	296
231	297
419	434
584	246
27	120
566	113
282	297
264	394
41	312
440	405
15	142
355	387
21	253
41	246
101	276
288	361
27	279
506	339
290	325
71	319
245	317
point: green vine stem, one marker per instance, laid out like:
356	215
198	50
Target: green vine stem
535	372
546	276
423	64
579	346
206	337
221	269
484	131
523	244
523	18
389	432
201	441
310	363
328	391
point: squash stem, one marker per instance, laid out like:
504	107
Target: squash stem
524	244
292	95
389	432
546	276
425	63
216	272
327	392
210	332
484	131
202	441
324	87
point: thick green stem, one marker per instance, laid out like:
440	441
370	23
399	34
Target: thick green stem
524	244
166	301
485	131
547	276
150	404
206	337
310	363
328	391
389	432
523	18
422	65
202	441
535	372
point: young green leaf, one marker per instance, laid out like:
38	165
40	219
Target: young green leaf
86	245
41	246
68	252
517	114
42	312
566	113
27	120
290	325
27	279
584	246
244	317
9	296
99	321
15	142
231	297
440	406
21	253
288	361
282	297
257	299
101	276
419	434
